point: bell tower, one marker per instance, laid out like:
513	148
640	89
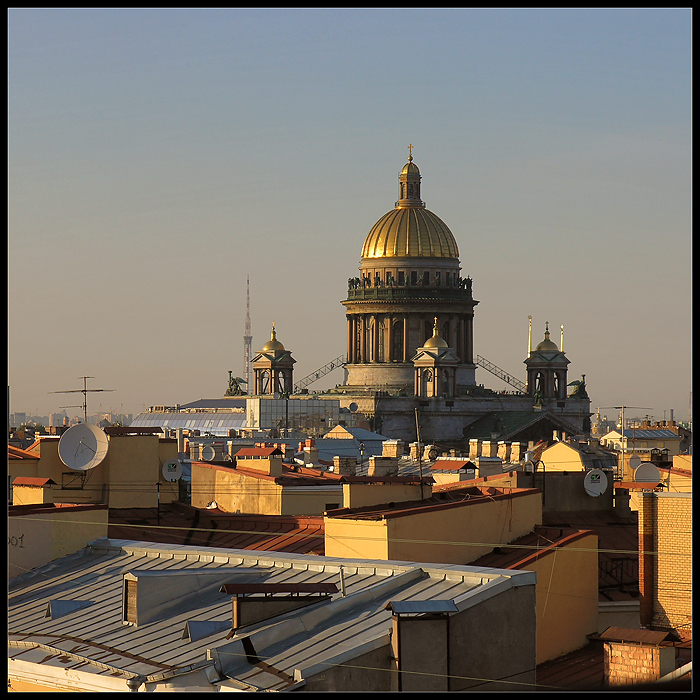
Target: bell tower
272	368
546	372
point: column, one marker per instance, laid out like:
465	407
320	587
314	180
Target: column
405	339
363	340
389	342
350	340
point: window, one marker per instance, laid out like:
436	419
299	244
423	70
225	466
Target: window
414	277
402	278
426	278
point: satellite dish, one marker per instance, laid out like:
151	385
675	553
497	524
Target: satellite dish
595	482
208	453
635	461
172	470
647	472
83	447
353	407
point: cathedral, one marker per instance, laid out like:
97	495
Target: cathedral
410	353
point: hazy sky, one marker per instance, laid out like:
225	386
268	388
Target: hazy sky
158	157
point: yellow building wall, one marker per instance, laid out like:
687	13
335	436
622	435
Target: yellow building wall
126	478
353	539
441	535
452	535
567	597
358	495
309	502
234	491
673	585
37	539
134	467
560	457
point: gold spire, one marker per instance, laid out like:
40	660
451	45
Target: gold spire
273	345
410	152
436	341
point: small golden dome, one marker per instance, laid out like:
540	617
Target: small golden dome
273	345
411	168
547	345
410	232
436	341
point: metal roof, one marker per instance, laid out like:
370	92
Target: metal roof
96	640
642	434
637	636
415	607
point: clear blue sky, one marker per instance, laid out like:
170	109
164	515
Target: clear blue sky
157	157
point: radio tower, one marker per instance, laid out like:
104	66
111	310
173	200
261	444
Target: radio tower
247	338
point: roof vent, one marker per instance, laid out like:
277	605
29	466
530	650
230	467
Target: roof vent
59	608
253	602
198	629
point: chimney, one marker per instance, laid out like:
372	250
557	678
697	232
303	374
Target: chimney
634	656
489	448
517	451
474	448
344	466
383	466
392	448
504	450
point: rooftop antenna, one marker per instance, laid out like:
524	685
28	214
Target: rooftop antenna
247	337
83	391
623	439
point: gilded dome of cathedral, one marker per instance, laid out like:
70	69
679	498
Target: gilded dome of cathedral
410	230
273	345
547	345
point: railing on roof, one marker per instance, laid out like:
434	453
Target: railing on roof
498	372
321	372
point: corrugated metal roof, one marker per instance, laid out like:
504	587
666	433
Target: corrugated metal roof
658	434
243	588
185	525
416	607
298	640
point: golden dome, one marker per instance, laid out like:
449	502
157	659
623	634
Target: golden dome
547	345
273	345
410	232
436	341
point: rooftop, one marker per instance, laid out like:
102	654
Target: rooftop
87	631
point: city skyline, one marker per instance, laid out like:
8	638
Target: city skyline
157	158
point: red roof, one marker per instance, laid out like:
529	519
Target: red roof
258	452
32	481
452	464
182	524
18	453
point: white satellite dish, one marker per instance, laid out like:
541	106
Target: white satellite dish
595	482
208	453
635	461
172	470
647	473
83	447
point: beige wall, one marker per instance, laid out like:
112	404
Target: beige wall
126	478
37	538
567	597
311	500
361	494
364	539
234	491
561	457
446	535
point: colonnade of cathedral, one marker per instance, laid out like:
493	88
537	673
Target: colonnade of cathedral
395	337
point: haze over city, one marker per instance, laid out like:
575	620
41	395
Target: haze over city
159	157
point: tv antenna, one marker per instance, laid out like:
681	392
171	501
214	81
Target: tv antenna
623	439
84	391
